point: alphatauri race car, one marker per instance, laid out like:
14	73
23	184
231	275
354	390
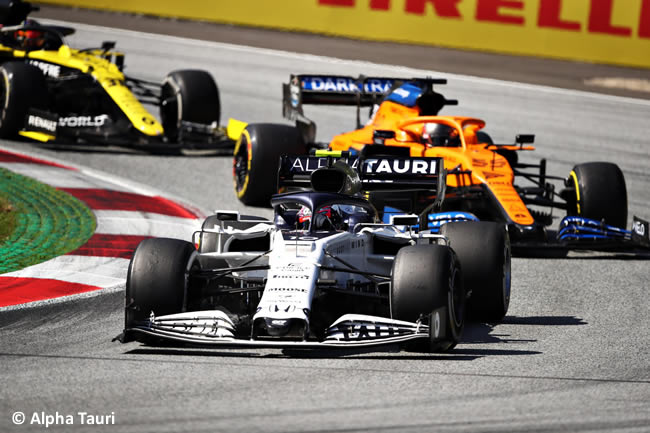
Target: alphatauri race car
51	92
482	176
325	273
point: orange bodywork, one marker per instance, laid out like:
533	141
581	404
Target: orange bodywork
475	163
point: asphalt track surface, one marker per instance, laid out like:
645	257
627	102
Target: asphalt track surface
572	354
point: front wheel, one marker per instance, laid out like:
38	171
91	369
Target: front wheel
256	158
483	249
426	283
157	280
191	96
22	87
597	191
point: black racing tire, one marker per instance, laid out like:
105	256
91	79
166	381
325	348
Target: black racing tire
426	278
256	159
600	193
483	249
157	279
22	86
188	95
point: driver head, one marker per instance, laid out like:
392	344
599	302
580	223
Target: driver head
437	134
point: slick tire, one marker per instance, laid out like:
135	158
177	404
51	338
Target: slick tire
188	95
256	158
425	279
600	193
22	87
483	249
157	279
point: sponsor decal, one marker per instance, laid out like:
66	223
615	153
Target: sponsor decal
409	166
401	92
308	164
298	277
406	95
346	85
360	332
600	17
608	31
41	124
293	267
439	219
498	163
287	289
639	228
48	69
83	121
400	166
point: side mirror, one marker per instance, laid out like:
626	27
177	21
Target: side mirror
108	45
525	139
380	135
404	220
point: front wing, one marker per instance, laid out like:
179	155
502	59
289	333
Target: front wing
214	328
46	127
577	233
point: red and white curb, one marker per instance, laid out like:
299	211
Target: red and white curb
126	213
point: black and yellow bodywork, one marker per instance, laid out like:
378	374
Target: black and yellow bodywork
63	94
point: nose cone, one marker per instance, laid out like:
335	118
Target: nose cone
288	328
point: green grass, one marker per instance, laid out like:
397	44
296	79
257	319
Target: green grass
7	218
47	222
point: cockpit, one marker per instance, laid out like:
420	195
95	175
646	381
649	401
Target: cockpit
321	212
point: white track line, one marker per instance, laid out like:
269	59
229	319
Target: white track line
145	224
104	272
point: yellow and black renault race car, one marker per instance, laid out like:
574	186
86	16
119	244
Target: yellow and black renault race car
51	92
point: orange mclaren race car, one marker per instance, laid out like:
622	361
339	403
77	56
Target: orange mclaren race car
482	177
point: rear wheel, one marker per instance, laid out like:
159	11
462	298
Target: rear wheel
256	159
597	191
188	95
157	279
22	87
483	249
426	283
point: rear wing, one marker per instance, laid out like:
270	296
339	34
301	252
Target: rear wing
342	172
346	90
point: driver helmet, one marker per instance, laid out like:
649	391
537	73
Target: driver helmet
438	134
326	218
30	39
303	218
